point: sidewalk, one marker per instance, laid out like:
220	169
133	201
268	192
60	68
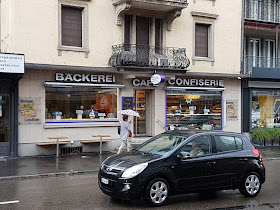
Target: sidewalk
33	167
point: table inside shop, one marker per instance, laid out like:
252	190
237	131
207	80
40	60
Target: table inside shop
101	136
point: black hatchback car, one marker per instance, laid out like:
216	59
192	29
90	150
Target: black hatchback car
177	162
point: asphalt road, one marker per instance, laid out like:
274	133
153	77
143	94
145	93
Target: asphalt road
82	192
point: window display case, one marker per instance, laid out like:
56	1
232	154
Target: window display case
193	110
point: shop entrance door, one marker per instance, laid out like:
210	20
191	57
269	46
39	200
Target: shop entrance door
140	107
4	125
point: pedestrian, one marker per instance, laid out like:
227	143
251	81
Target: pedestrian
125	132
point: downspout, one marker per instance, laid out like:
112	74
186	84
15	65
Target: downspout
276	45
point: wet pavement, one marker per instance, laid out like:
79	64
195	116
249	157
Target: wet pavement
28	167
269	152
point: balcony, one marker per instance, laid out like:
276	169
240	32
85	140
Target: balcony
154	5
169	9
259	61
128	55
261	10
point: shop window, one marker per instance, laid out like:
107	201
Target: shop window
265	109
194	110
80	103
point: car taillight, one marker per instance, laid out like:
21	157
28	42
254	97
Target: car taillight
255	151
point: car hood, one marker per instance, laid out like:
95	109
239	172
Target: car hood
130	159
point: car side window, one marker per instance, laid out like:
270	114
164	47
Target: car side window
239	143
227	143
198	146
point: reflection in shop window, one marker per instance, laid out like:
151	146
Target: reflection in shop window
265	109
80	103
194	110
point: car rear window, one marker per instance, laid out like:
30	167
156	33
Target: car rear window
228	143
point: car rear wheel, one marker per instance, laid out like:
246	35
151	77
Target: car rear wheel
251	185
157	192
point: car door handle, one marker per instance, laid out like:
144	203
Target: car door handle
211	163
243	159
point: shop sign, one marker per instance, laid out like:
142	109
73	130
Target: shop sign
11	63
231	110
30	111
142	82
61	77
157	79
196	82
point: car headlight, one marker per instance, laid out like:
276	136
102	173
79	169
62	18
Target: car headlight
134	170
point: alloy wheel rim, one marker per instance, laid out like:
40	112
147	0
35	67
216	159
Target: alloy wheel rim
252	184
158	192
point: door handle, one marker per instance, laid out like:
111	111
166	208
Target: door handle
211	163
243	159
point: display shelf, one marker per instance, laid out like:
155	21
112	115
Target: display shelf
184	115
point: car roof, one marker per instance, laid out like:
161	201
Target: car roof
193	132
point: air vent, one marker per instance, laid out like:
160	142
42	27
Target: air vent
70	150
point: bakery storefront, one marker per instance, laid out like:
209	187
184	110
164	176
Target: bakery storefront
194	104
72	104
70	100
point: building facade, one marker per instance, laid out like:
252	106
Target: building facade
175	62
260	90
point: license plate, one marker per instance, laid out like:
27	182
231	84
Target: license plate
105	181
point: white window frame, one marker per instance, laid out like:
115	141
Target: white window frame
85	45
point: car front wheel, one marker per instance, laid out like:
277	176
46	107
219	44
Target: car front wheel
251	185
157	192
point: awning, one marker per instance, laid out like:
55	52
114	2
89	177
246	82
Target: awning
64	84
194	88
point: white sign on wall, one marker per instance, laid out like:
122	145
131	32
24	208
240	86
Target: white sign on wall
11	63
30	112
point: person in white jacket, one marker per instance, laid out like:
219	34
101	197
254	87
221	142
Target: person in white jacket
124	134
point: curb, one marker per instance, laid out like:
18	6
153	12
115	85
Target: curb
47	175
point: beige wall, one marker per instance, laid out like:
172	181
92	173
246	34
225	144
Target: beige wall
31	27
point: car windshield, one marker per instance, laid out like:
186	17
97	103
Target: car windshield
161	144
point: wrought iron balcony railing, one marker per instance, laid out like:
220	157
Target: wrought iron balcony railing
259	61
261	10
149	56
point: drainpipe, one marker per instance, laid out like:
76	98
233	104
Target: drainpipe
276	44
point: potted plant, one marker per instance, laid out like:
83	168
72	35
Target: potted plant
261	135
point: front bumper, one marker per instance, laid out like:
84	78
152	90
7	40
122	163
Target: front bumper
129	189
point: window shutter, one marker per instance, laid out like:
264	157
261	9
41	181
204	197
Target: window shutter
71	26
201	40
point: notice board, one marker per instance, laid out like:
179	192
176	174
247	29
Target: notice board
127	103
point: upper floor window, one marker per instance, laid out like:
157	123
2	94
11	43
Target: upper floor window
73	26
202	40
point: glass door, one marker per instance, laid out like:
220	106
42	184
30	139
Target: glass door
270	53
254	52
140	107
4	125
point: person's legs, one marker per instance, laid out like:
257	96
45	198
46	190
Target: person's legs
121	147
127	145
